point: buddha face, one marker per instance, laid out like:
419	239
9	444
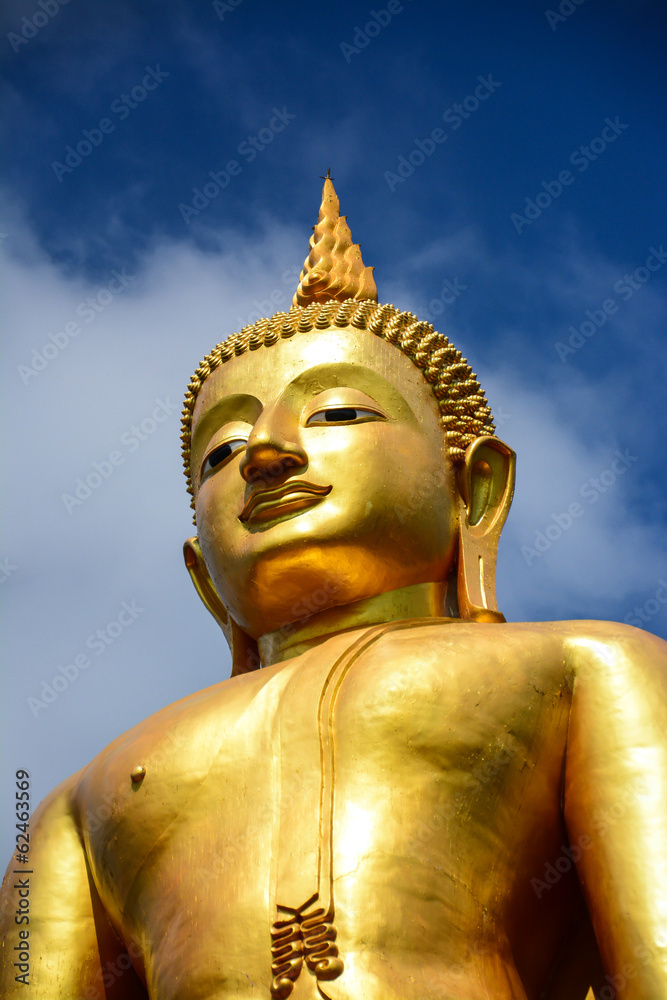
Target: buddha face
319	467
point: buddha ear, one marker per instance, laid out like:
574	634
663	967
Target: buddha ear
486	488
245	655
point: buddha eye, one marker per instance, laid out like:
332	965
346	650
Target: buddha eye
342	415
221	454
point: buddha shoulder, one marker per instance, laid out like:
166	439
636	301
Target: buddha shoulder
517	650
605	657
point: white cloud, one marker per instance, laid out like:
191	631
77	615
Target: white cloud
596	551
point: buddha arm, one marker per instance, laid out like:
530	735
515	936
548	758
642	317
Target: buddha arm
71	944
616	801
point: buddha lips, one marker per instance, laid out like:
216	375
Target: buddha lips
264	500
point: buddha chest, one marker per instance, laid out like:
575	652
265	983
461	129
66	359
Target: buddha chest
317	802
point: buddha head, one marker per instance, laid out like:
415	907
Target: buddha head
343	448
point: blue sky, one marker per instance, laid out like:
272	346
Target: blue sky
562	315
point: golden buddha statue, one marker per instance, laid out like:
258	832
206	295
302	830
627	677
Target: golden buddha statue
397	795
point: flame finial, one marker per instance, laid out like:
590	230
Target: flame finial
333	270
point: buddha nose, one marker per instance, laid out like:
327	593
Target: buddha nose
273	448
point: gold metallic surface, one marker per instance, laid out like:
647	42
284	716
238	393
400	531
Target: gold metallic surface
397	795
333	269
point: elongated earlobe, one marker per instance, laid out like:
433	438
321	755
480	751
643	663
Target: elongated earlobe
245	655
486	488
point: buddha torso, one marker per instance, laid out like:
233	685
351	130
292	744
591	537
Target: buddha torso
411	775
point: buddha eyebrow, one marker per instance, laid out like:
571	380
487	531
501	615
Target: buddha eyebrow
333	375
225	411
344	375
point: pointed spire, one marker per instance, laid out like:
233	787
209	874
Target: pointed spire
333	270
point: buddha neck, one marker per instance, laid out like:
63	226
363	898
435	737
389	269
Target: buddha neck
421	600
